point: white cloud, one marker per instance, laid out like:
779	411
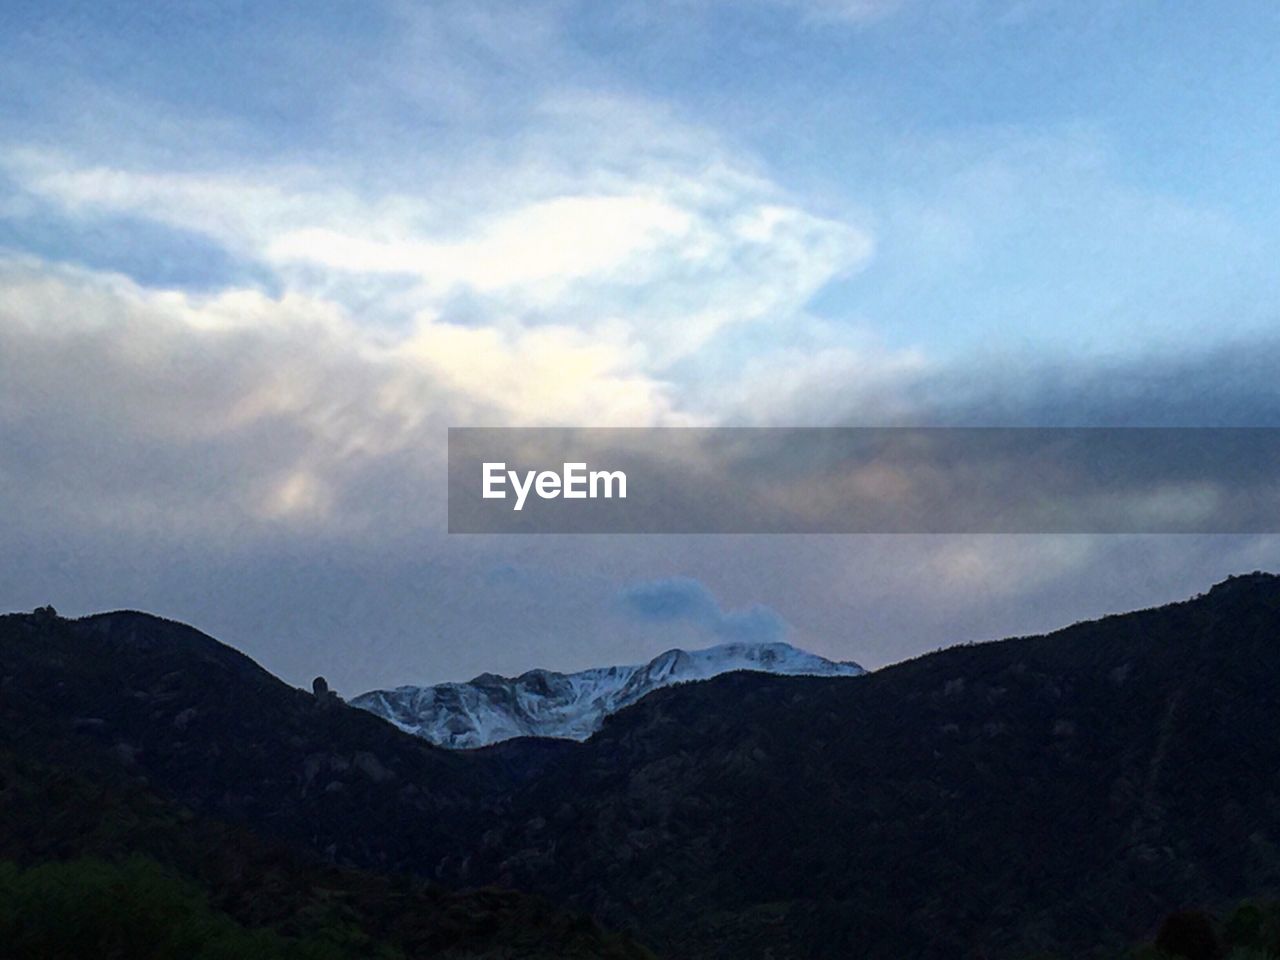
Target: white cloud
552	242
162	411
606	215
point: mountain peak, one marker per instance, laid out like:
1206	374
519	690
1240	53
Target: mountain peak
546	703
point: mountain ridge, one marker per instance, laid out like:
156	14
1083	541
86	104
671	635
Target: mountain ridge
1055	794
491	708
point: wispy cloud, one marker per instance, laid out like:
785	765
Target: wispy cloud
667	238
846	11
685	601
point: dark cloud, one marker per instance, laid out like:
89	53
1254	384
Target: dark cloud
868	480
1212	384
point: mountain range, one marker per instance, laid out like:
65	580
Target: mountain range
544	703
1036	796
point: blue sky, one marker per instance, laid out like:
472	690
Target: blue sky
254	258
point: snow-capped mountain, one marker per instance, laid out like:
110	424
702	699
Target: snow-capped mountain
544	703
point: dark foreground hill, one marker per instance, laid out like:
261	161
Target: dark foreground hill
1048	794
1051	793
133	754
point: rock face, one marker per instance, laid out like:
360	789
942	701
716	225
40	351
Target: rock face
544	703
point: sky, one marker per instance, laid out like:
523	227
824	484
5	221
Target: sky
256	258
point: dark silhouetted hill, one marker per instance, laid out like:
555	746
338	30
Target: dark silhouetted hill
136	756
1055	794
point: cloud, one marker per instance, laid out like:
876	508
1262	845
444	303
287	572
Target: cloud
463	213
905	480
856	13
846	11
233	414
269	468
666	235
287	421
683	600
552	242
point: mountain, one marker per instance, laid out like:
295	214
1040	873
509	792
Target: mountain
544	703
1057	794
148	775
1049	795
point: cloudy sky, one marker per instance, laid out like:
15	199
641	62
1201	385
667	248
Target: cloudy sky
256	258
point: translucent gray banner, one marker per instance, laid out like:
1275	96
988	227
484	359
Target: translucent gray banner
864	480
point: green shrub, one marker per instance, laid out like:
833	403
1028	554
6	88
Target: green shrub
1245	927
127	911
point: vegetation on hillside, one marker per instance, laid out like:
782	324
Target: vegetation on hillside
1250	931
105	861
135	910
1058	794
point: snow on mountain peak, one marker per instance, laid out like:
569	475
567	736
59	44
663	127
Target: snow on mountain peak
544	703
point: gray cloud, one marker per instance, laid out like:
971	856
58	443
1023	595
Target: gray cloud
871	480
677	600
279	482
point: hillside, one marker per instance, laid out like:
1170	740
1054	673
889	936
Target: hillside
126	736
1050	793
1060	793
